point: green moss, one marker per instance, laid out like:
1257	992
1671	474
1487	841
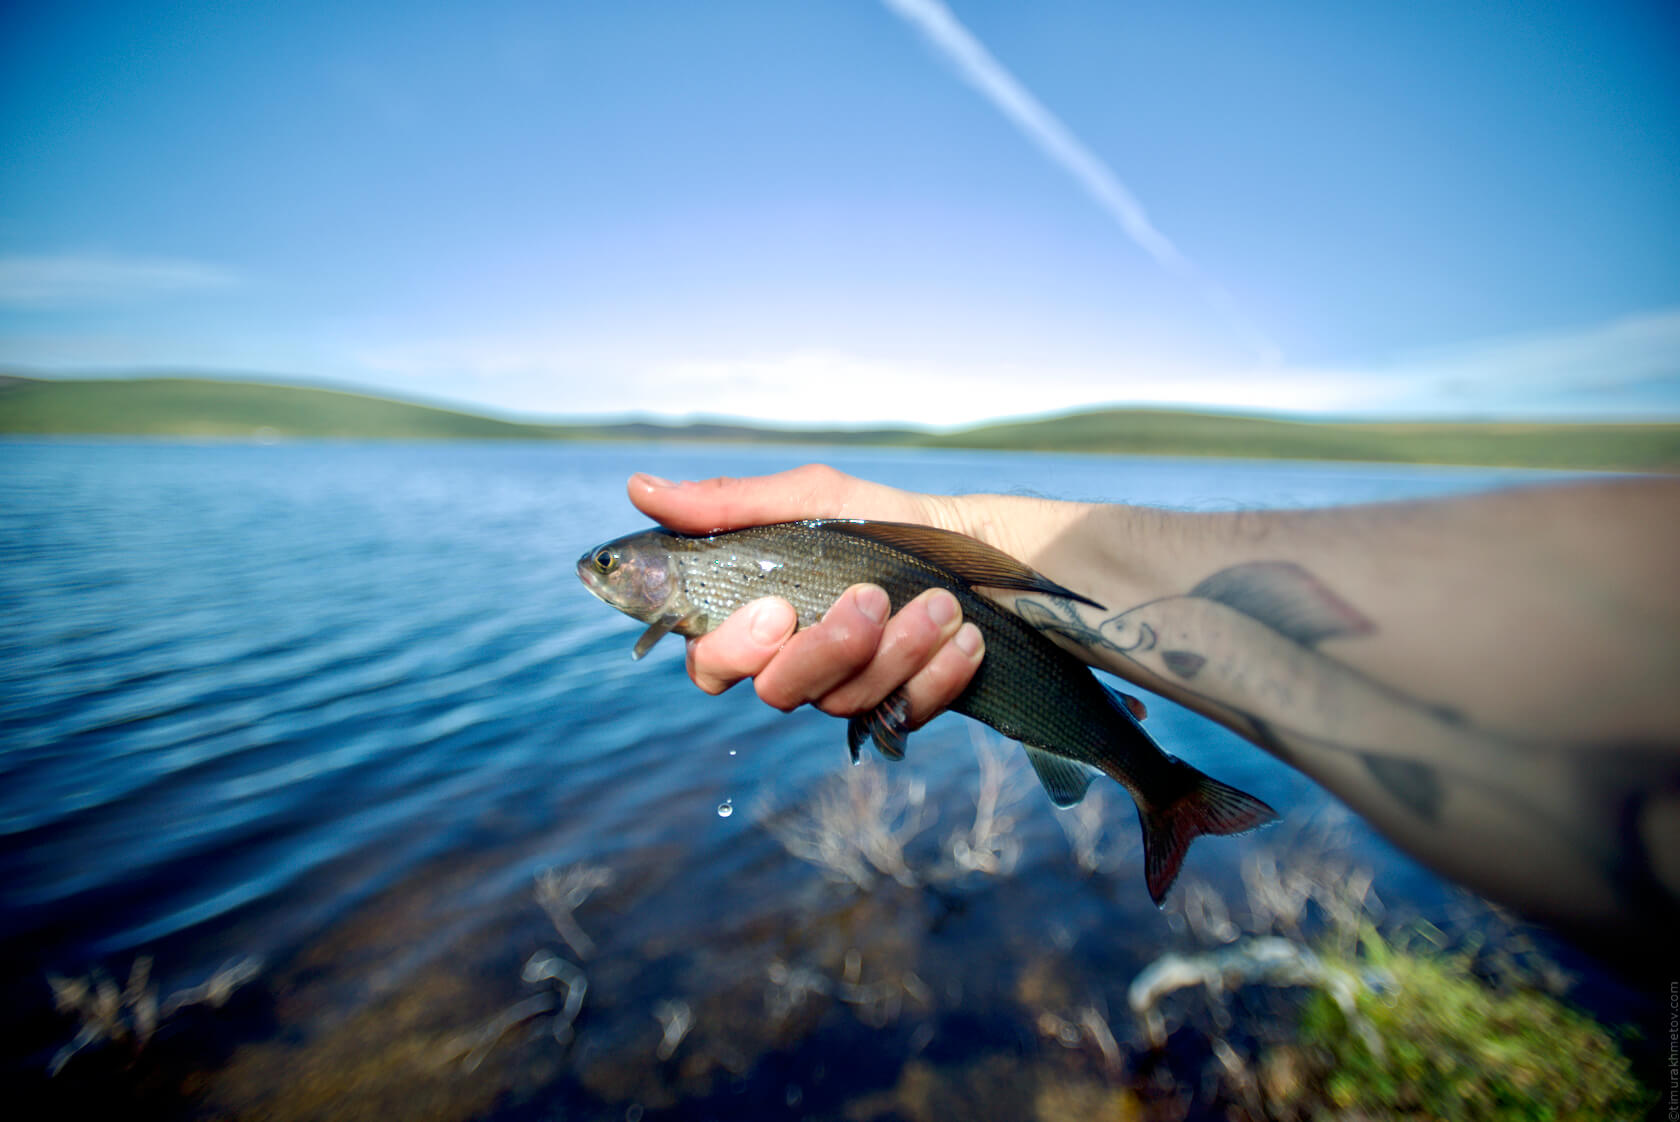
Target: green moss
1454	1047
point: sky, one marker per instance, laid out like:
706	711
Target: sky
855	211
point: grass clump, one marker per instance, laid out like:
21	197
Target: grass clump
1451	1046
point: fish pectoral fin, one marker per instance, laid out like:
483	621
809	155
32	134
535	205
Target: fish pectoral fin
657	630
1286	598
1064	780
1183	663
888	725
965	558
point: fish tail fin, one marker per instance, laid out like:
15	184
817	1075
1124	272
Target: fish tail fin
1207	807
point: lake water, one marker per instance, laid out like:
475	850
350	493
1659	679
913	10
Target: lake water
320	716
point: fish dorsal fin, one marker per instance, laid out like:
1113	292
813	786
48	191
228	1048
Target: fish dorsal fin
1286	598
1064	780
963	557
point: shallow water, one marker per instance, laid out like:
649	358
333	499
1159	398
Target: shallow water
335	707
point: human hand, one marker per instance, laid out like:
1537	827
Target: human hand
856	657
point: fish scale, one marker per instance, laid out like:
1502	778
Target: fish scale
1026	686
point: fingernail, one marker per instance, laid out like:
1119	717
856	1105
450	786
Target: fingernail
650	482
768	623
942	607
968	640
872	601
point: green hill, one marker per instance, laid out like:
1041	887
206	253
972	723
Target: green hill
1647	447
208	408
203	407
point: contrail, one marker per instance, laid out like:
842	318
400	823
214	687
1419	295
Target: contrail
976	64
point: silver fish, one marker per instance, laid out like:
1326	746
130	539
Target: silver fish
1027	687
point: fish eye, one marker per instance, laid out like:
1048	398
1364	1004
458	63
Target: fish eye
606	560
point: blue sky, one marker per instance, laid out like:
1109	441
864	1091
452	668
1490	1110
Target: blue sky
856	210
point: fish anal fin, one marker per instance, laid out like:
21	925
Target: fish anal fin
1209	807
658	629
963	557
1285	597
888	725
1415	786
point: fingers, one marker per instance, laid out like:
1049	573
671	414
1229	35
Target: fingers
814	491
742	646
849	662
926	650
818	659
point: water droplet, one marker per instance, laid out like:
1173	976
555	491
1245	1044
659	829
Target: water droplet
726	808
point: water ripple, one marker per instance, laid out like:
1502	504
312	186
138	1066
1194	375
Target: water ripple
240	681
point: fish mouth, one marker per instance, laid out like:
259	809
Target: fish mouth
586	574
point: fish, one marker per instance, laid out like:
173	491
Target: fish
1027	687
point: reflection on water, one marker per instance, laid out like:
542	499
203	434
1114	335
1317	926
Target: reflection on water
344	710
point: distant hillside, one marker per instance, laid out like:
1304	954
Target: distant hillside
198	407
204	407
1641	447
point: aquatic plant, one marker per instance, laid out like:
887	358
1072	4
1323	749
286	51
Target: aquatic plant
1393	1027
791	986
132	1015
856	827
1096	848
561	892
990	845
1198	907
1268	960
1442	1042
1089	1025
860	823
675	1019
545	966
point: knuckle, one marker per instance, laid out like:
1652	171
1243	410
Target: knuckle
713	686
776	696
836	705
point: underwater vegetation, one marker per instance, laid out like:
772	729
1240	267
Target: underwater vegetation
128	1017
1439	1041
1293	994
1402	1025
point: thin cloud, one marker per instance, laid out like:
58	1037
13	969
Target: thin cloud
977	65
91	280
1624	366
1619	368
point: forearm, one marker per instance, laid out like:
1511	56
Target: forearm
1551	611
1499	673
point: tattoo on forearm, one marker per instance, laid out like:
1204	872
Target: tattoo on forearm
1246	642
